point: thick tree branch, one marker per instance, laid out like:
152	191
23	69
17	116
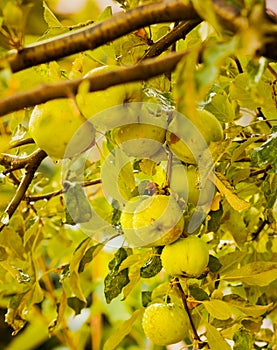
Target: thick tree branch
34	161
101	33
143	71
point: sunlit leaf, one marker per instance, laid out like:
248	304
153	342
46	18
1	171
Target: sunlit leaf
226	190
218	309
122	331
260	273
215	339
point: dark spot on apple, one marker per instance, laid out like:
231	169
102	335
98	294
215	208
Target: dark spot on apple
173	138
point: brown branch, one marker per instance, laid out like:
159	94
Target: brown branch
62	89
34	161
179	32
50	195
101	33
20	143
201	344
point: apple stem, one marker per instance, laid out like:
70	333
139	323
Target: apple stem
196	337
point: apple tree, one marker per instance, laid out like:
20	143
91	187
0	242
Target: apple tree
138	175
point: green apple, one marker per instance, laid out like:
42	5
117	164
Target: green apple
59	129
185	141
144	136
165	324
185	181
186	257
92	103
152	221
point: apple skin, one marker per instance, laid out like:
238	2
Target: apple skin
165	324
205	123
185	181
92	103
187	257
152	221
143	138
56	124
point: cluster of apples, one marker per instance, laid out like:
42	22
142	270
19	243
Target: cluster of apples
147	221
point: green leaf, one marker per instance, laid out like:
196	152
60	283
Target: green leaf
266	154
153	266
122	331
115	281
198	293
77	204
218	309
243	339
215	219
50	18
214	264
215	339
89	256
220	106
76	304
146	297
260	273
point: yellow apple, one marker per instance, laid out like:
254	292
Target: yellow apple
152	221
92	103
189	138
165	324
187	257
143	137
186	182
59	129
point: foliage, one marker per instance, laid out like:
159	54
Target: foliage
66	276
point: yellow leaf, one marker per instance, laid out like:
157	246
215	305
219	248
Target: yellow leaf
226	190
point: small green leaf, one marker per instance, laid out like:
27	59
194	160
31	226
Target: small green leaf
122	331
146	297
198	293
215	219
77	204
76	304
115	281
243	339
266	154
152	267
89	256
218	309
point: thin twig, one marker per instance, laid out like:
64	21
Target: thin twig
34	160
50	195
201	344
179	32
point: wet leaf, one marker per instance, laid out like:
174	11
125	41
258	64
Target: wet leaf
115	281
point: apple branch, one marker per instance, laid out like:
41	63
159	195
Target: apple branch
91	37
62	89
179	32
32	162
201	344
50	195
